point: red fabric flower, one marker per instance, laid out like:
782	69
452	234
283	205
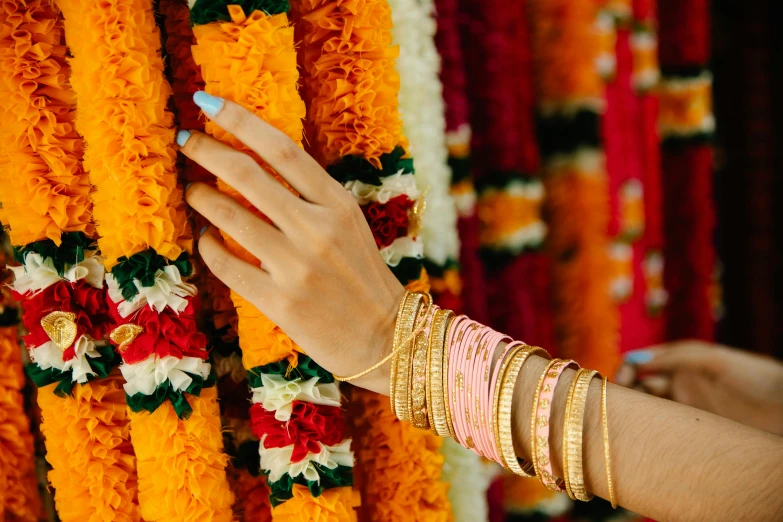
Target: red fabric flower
388	221
84	300
309	424
164	334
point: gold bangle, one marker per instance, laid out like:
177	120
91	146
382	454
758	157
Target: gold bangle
417	397
607	455
396	348
504	395
436	405
402	360
573	434
447	405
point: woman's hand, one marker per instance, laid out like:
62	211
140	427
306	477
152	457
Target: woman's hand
321	278
741	386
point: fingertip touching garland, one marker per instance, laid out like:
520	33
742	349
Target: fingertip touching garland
144	235
296	411
47	209
351	88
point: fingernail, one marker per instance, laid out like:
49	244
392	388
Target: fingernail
203	230
639	357
187	186
182	137
211	105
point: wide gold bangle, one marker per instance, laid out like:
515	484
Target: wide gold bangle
395	349
436	403
572	436
417	397
502	402
411	313
446	399
607	453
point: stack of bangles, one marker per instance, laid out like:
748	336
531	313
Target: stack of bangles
447	377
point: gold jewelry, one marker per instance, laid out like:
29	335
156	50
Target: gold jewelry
504	395
449	420
412	315
61	328
573	434
436	403
607	455
534	447
418	383
396	348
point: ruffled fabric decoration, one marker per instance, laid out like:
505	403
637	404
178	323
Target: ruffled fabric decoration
19	497
259	34
38	273
46	192
95	419
469	478
167	290
335	505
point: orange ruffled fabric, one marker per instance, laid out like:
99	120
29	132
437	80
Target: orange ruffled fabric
122	96
400	466
19	498
333	505
45	191
251	494
88	446
181	464
351	80
251	60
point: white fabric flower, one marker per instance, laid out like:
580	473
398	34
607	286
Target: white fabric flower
278	394
277	461
38	273
169	290
391	186
145	376
402	247
49	355
469	477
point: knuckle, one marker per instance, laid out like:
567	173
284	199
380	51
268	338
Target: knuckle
234	116
245	169
287	151
217	263
193	145
226	212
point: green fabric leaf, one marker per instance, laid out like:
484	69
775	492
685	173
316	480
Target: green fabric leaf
408	270
140	402
206	11
338	477
102	366
306	369
70	251
352	168
434	270
246	456
143	266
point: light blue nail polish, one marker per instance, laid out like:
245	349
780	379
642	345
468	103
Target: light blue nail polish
639	357
211	105
182	137
203	230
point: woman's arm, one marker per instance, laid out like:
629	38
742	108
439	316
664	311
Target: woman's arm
323	282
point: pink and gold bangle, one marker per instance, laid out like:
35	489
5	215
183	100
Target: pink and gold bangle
539	424
494	400
481	405
460	413
457	332
508	374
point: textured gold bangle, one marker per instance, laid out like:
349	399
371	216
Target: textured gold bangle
436	404
607	453
417	399
410	318
449	421
396	348
504	395
572	436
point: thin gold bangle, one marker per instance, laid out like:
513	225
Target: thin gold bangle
446	399
573	437
414	314
607	453
436	405
396	347
566	416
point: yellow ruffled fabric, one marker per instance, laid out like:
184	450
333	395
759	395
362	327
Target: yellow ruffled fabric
400	466
122	95
19	498
251	60
333	505
181	464
88	446
45	191
351	80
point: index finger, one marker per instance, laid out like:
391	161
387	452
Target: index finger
273	146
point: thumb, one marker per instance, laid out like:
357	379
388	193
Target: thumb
681	355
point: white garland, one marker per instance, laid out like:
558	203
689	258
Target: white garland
277	461
391	186
49	355
469	478
403	247
621	285
37	273
169	290
145	376
278	394
423	116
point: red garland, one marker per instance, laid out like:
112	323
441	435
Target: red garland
684	33
310	426
452	72
166	333
388	221
87	302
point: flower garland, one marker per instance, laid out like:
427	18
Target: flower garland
145	238
347	57
686	125
47	210
307	468
251	496
570	94
19	498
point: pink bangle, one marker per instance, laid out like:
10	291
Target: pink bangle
474	362
542	407
482	402
490	412
457	378
462	412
